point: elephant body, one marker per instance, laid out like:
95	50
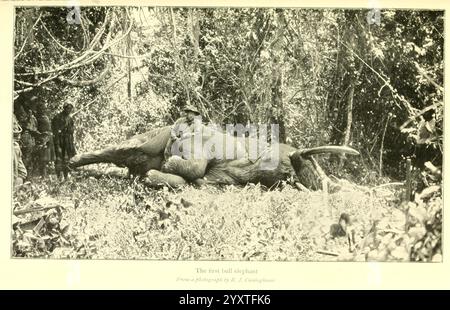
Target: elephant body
227	161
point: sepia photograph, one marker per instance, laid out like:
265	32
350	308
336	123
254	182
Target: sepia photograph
231	134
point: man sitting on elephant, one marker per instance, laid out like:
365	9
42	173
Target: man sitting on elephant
186	125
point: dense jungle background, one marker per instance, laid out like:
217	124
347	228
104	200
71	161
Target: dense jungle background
328	77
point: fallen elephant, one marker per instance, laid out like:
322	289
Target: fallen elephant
143	155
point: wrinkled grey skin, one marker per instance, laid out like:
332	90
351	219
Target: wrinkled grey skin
144	155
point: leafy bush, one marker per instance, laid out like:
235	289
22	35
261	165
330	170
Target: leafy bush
121	119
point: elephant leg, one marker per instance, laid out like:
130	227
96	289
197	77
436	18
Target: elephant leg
107	155
155	178
137	161
200	182
190	169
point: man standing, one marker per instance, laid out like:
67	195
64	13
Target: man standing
45	152
426	135
63	128
29	135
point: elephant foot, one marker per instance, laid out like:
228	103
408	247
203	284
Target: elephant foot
155	178
200	182
72	164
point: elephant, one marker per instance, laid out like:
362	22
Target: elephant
223	159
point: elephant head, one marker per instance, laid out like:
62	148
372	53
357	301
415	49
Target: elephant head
308	171
218	158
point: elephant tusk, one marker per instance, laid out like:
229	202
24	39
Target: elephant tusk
334	149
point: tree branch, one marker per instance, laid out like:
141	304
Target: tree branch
79	61
425	75
56	41
411	110
26	38
82	83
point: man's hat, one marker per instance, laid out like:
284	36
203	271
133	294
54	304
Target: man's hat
191	108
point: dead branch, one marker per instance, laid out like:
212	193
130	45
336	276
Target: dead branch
80	61
389	184
423	111
327	253
30	210
81	83
36	85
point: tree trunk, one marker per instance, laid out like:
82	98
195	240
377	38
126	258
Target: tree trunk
380	168
195	32
277	113
351	94
129	79
178	63
277	116
128	52
194	83
348	128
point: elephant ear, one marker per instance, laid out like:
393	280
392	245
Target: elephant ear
190	169
154	142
